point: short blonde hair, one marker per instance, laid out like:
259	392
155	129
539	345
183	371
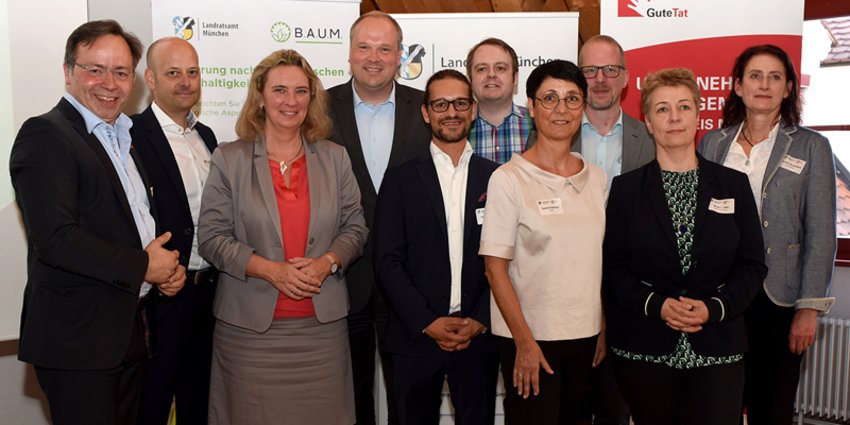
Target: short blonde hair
670	77
252	119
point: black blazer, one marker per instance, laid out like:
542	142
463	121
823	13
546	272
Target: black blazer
410	139
170	198
85	261
641	265
411	254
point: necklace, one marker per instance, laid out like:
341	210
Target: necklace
744	135
284	165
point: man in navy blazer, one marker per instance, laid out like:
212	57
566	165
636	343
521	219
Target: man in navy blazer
93	259
426	234
379	124
175	150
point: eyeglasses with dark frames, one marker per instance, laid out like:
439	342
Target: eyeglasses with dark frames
442	105
551	100
609	71
99	72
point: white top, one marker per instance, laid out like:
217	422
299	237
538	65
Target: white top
453	187
193	160
755	165
552	228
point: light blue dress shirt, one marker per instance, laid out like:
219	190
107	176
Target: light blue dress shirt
604	151
116	141
375	125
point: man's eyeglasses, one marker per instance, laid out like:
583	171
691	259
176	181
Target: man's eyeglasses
442	105
550	101
99	72
609	71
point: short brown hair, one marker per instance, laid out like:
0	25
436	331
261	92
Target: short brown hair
601	38
492	41
252	118
670	77
380	15
88	33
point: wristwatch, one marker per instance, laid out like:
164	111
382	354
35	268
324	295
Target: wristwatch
334	265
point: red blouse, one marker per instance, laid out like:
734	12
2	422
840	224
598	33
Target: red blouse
293	207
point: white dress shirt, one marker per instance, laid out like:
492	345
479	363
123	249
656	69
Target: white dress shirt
453	187
755	165
193	160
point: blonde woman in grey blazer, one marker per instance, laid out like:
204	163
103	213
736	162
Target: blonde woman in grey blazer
792	176
280	350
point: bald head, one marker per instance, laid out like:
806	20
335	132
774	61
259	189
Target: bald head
174	77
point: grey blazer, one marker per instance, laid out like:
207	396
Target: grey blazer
638	146
797	214
239	217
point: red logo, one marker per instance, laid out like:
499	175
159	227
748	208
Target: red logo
629	8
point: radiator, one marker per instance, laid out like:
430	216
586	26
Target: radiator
824	390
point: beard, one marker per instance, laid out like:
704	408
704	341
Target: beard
452	137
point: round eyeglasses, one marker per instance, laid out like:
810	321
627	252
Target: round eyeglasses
609	71
551	100
442	105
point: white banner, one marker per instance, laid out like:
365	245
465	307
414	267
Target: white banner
435	41
231	40
705	36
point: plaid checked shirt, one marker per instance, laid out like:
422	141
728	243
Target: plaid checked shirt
500	143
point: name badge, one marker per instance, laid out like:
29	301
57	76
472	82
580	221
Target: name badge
479	216
722	206
550	206
794	165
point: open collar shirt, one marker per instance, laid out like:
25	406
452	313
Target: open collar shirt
453	182
116	141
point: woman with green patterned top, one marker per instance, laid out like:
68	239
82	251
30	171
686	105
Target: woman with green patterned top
683	257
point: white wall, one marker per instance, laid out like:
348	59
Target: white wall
32	43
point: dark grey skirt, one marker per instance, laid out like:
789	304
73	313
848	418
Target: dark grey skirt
296	373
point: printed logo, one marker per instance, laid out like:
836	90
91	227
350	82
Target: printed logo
628	8
281	32
651	9
184	27
411	61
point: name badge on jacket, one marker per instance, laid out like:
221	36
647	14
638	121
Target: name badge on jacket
794	165
722	206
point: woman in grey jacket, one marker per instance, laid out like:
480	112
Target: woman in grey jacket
792	175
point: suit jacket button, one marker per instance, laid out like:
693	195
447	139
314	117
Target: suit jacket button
310	242
188	231
683	292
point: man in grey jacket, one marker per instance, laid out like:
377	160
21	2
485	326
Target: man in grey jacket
617	143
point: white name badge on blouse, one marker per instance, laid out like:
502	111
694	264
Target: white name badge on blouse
722	206
550	206
794	165
479	216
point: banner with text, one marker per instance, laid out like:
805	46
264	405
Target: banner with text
232	39
435	41
705	36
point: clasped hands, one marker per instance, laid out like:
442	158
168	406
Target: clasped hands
164	268
300	277
685	314
454	333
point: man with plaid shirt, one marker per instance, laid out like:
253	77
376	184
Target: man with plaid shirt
500	128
